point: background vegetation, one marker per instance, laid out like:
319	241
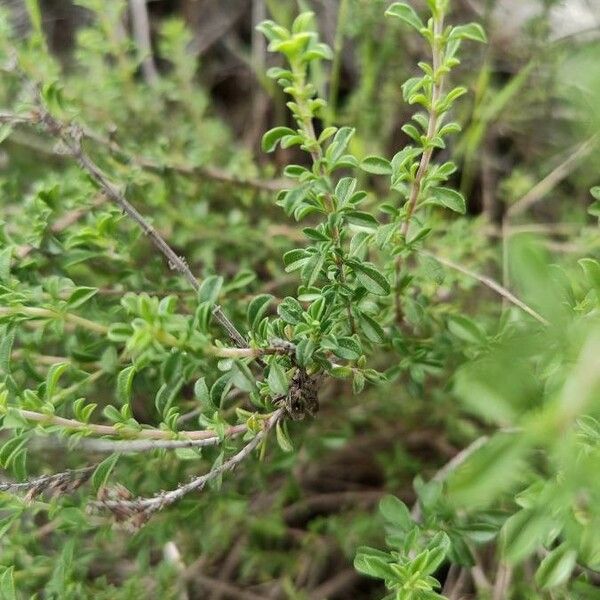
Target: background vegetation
350	344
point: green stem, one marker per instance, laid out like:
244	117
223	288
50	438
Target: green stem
46	313
432	129
336	67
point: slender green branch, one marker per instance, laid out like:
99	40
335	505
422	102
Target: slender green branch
114	431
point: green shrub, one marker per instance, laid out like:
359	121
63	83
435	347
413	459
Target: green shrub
120	376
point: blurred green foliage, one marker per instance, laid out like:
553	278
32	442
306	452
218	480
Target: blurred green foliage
474	398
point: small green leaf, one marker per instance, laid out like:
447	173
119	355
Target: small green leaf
290	310
465	329
340	143
344	189
112	414
376	165
347	348
450	199
272	31
396	512
362	219
202	394
165	396
295	259
591	268
595	191
210	289
125	384
54	373
371	328
273	136
405	13
80	296
219	389
312	269
103	471
375	564
283	439
257	308
277	379
472	31
523	533
556	568
371	278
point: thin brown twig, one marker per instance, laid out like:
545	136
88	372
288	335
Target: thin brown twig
489	282
450	467
539	191
71	137
223	587
337	586
141	31
146	506
55	484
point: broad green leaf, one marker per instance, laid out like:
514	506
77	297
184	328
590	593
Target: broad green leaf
340	143
472	31
112	414
5	131
165	396
490	470
362	219
376	165
272	31
257	308
344	347
283	439
405	13
523	533
11	448
449	198
312	269
556	568
344	189
374	564
396	512
210	289
242	377
371	328
465	329
371	278
290	310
